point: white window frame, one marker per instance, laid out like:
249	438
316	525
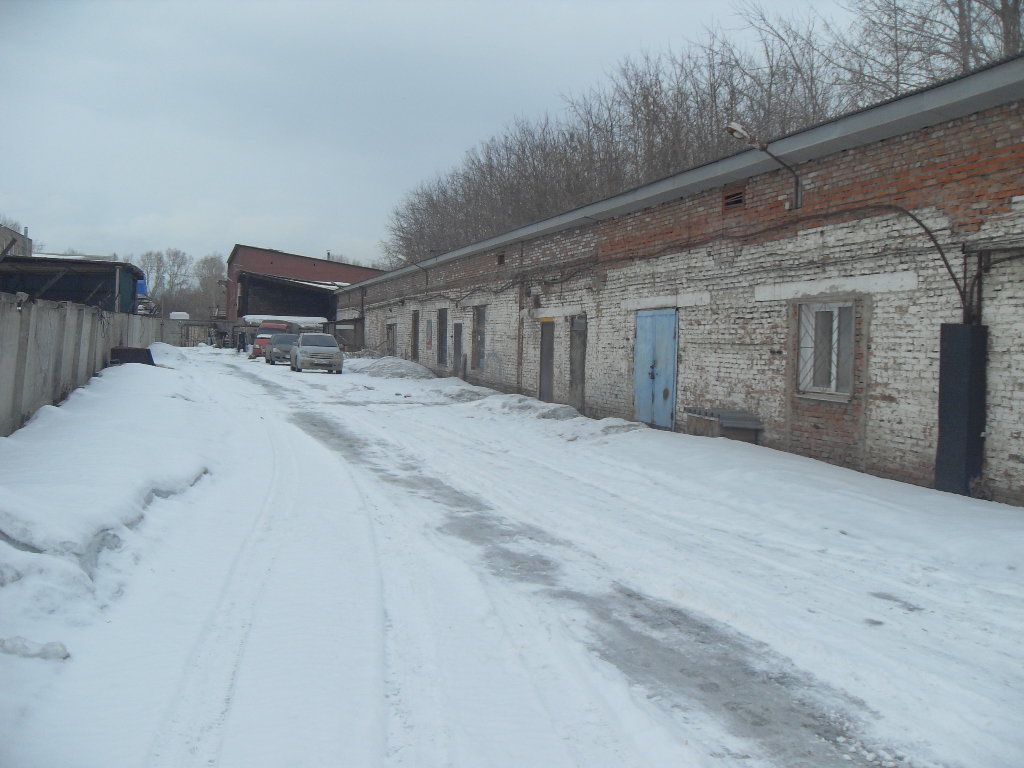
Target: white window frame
825	356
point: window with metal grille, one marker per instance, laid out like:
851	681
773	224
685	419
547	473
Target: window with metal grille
732	198
826	348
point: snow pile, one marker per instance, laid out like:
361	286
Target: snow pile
168	356
396	368
355	363
19	646
528	406
466	393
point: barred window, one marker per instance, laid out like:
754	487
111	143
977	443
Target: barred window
826	348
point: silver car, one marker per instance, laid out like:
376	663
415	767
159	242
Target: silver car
316	350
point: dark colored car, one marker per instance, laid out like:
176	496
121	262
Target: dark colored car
279	348
270	328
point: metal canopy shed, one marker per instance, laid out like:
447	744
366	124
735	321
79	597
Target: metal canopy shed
261	294
109	285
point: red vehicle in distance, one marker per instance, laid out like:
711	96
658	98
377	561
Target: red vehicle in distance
270	328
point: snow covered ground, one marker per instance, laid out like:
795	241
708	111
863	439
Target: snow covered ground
247	566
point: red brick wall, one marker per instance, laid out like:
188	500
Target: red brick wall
245	258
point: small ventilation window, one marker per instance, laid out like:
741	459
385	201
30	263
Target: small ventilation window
501	258
732	199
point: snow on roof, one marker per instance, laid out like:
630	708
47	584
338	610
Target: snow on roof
329	285
303	321
320	283
75	256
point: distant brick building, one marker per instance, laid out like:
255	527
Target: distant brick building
265	281
710	289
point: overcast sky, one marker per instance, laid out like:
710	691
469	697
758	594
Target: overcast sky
135	126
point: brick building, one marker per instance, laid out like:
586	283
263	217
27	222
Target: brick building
711	289
265	281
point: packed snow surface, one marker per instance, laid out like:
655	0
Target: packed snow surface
213	562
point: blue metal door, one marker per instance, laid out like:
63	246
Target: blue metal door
654	367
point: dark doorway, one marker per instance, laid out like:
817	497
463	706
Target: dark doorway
545	391
457	348
442	337
479	336
961	444
415	336
392	348
577	361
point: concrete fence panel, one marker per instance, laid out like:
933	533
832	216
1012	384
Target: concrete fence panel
47	349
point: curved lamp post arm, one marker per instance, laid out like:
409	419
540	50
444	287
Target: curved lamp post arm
737	131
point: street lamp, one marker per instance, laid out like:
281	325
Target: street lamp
737	131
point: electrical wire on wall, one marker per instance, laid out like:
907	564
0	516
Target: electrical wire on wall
967	288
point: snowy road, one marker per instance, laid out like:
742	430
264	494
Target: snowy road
318	570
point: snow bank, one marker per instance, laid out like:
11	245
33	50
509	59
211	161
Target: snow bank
168	356
394	368
128	438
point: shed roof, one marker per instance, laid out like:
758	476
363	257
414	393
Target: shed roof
72	265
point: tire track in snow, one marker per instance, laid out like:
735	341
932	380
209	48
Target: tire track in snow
677	657
192	730
680	659
437	614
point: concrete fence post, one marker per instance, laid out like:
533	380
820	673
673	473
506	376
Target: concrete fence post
94	332
21	362
59	352
78	341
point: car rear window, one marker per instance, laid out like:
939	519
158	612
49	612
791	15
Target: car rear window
318	340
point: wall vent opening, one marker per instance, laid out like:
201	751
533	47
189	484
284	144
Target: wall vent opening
501	258
732	199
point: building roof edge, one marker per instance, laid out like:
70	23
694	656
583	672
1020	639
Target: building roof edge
997	84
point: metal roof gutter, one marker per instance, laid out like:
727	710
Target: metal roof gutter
964	96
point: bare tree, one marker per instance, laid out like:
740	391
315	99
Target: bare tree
660	113
154	265
177	270
208	275
897	45
178	282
